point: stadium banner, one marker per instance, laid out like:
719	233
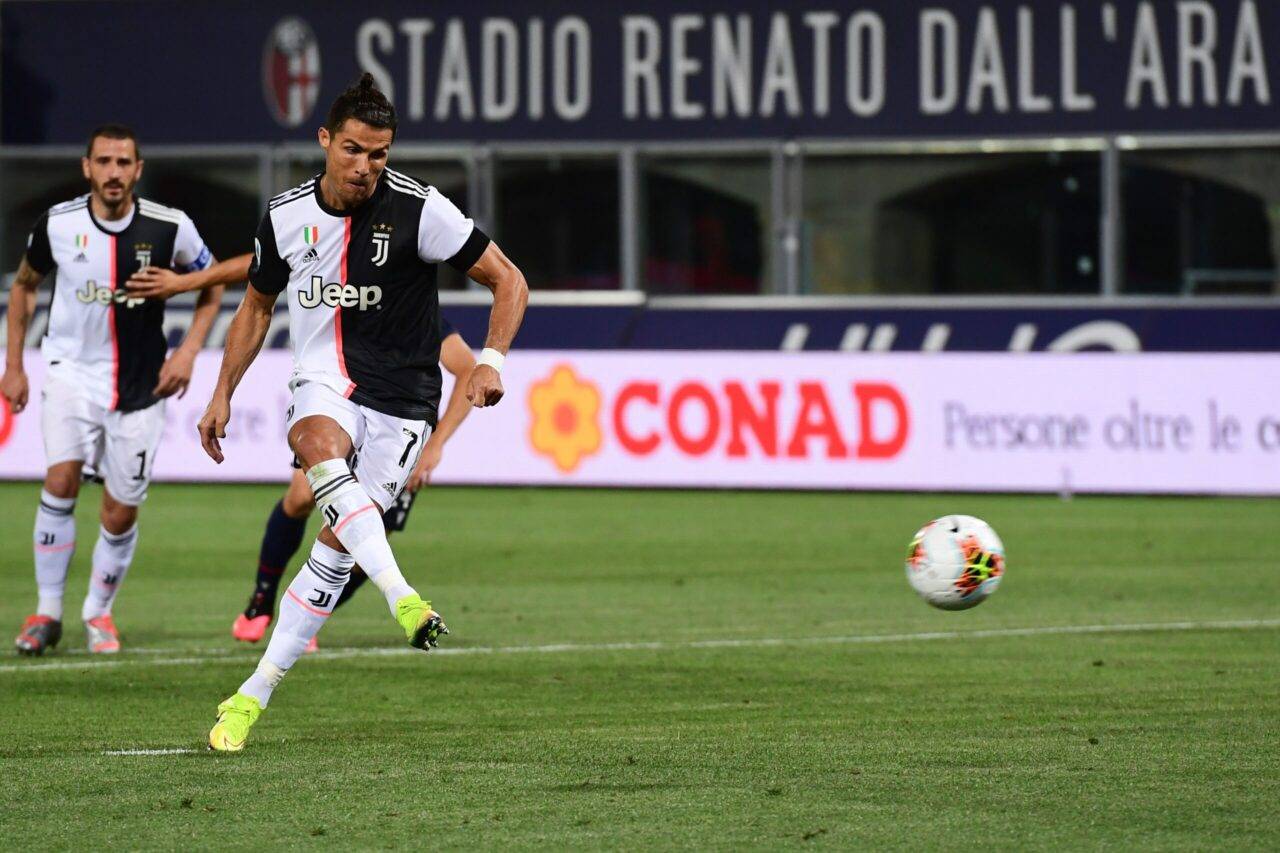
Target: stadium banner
465	70
992	325
1093	422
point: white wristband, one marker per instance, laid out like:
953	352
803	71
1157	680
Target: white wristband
491	357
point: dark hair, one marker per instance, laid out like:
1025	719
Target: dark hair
363	101
112	130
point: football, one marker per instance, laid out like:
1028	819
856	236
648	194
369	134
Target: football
955	562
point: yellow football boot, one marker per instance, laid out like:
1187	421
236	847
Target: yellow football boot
422	625
235	717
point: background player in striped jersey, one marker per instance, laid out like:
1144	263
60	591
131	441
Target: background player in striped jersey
107	377
355	249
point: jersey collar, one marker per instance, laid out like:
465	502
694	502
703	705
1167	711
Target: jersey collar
133	212
351	211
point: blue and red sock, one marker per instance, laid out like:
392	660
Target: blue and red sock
280	542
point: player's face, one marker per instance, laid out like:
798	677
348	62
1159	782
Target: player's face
354	159
112	169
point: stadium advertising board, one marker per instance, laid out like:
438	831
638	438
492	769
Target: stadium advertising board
660	69
866	327
1158	423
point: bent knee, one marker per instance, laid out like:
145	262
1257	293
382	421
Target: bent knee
117	517
317	438
63	480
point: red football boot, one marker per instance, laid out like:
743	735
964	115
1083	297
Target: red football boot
248	630
38	634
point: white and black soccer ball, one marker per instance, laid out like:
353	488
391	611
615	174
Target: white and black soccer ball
955	562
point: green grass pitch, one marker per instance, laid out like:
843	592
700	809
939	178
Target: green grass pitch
657	713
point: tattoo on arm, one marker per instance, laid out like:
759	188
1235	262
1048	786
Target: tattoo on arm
21	305
27	277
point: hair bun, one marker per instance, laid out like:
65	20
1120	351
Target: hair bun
361	100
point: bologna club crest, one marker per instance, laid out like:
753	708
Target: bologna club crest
291	71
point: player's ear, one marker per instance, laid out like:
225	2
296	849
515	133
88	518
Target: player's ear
322	135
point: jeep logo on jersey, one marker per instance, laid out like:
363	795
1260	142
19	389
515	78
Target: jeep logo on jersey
336	295
291	71
94	292
381	241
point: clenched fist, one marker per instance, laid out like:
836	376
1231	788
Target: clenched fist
484	388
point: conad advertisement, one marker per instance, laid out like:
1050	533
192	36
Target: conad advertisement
1086	422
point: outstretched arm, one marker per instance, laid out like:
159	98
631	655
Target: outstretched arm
21	302
160	283
510	296
457	358
244	338
175	373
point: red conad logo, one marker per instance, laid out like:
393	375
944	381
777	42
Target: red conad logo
754	413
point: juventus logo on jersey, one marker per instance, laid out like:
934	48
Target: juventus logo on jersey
381	243
143	251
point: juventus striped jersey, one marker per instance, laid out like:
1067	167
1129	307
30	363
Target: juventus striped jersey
364	316
116	342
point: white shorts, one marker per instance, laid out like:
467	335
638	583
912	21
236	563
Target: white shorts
386	447
119	446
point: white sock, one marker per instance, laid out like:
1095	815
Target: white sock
54	541
112	555
356	521
303	610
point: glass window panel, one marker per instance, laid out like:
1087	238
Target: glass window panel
558	220
965	223
707	223
1203	222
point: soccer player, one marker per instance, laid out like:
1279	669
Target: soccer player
103	396
356	248
288	520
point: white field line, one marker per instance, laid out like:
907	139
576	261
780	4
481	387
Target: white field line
228	656
146	751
